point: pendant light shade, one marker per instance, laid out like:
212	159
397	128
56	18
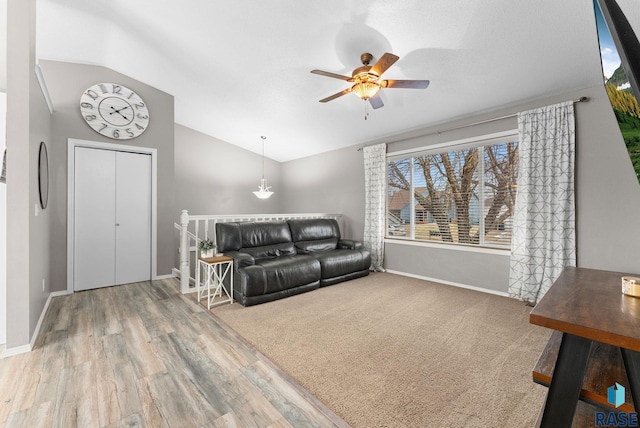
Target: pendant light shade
263	191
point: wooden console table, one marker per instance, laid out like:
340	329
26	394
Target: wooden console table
587	307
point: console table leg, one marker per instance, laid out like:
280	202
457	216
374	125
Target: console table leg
568	375
632	366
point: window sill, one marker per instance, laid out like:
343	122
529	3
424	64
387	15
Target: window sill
451	247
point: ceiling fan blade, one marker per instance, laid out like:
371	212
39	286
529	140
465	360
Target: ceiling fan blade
407	84
376	101
334	75
334	96
386	61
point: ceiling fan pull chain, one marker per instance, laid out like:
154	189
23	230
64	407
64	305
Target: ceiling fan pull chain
366	110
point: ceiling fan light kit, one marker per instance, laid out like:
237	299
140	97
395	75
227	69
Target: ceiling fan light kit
367	81
365	90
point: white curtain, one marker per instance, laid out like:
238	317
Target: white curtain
543	240
375	161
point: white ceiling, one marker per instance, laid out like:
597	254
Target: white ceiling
240	69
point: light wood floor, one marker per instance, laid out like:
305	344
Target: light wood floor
144	355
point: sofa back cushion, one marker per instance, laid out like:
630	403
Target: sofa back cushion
261	233
228	237
265	239
311	235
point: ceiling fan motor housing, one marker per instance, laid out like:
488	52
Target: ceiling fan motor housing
366	58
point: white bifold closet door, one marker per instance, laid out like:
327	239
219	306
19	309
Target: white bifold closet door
112	218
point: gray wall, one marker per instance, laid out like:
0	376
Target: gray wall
331	182
3	227
607	194
607	191
40	278
215	177
28	123
66	83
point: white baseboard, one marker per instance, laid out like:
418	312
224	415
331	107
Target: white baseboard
454	284
16	350
168	276
8	352
44	312
176	273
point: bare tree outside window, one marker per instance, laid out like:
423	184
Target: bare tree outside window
459	196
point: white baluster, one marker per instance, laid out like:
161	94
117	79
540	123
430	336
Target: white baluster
185	270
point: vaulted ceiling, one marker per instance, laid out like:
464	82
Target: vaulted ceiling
240	69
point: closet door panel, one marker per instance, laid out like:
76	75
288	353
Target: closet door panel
94	218
133	217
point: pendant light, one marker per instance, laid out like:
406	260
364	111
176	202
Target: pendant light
263	191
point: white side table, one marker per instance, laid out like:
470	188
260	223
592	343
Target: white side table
210	275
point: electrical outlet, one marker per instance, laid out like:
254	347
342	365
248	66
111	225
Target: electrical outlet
36	209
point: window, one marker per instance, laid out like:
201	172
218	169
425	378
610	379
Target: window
462	195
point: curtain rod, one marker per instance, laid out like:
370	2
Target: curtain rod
579	100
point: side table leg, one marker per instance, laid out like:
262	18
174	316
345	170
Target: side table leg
210	274
632	365
568	375
198	280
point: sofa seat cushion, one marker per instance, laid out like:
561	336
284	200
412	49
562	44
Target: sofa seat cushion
341	262
271	251
288	271
306	247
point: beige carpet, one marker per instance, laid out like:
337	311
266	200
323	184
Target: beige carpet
391	351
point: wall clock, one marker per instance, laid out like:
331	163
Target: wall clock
114	111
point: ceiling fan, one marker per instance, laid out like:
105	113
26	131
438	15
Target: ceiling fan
366	80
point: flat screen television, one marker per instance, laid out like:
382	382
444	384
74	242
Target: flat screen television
620	55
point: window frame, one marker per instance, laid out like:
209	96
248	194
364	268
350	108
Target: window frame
438	148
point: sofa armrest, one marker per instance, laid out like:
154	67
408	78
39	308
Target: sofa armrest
349	244
240	260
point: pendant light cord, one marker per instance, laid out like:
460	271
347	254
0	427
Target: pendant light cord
263	138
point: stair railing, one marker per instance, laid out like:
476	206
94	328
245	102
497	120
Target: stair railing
194	228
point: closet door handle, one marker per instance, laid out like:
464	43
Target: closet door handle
117	224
